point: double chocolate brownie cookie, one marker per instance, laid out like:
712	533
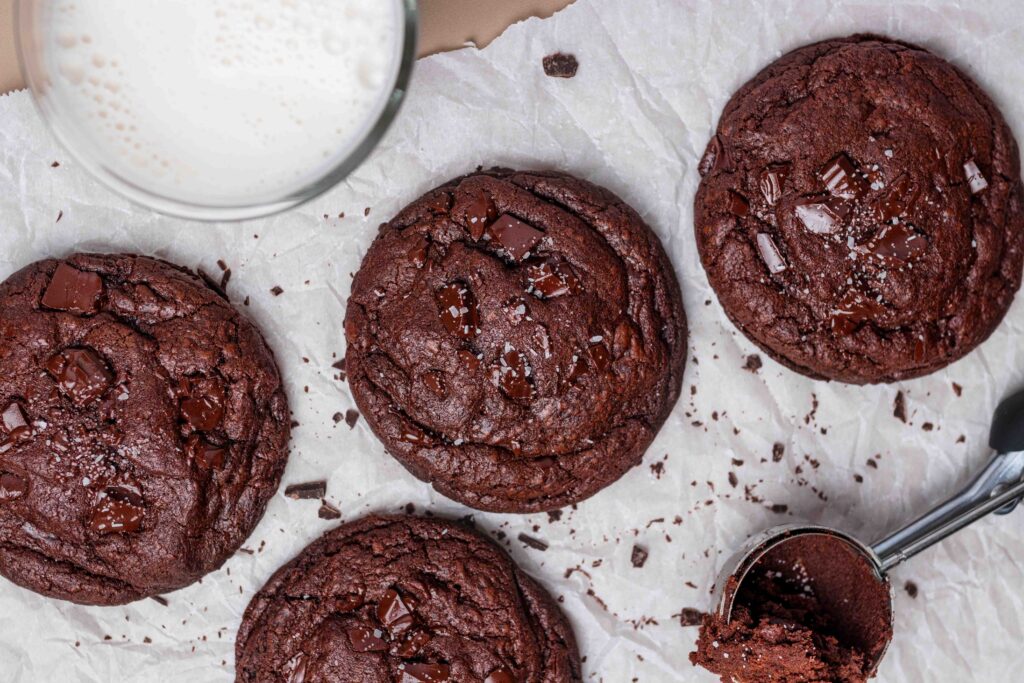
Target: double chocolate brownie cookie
388	599
860	213
143	430
516	339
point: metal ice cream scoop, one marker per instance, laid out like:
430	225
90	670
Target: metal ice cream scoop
997	488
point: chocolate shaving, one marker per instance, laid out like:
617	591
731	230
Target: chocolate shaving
532	542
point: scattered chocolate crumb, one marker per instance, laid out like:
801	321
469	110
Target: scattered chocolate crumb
60	214
147	640
753	363
560	65
927	426
534	543
222	264
159	599
639	556
899	408
733	480
657	469
690	617
961	439
780	509
872	464
554	515
366	211
55	164
957	389
276	290
690	584
225	278
911	588
858	478
778	450
737	462
246	302
351	417
309	490
337	417
328	511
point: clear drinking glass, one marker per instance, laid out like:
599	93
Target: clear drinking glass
35	44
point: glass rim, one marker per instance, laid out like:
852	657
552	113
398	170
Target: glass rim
409	24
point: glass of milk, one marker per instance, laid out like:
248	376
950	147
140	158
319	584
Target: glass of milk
218	109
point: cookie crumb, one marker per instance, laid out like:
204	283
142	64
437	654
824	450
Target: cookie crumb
535	543
639	556
753	363
911	588
559	65
328	511
899	407
276	290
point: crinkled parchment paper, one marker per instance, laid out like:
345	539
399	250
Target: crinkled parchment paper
654	75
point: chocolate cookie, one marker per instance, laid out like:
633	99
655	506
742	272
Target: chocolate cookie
144	428
516	339
860	213
387	599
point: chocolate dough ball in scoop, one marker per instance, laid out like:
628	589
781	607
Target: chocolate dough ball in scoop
516	339
812	609
143	428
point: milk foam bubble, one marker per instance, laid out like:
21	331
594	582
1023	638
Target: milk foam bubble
220	102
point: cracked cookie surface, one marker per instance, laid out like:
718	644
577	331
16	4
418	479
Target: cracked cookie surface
144	428
516	339
860	213
390	598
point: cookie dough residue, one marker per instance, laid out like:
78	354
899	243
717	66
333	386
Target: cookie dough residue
812	609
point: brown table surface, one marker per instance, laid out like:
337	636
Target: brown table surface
445	25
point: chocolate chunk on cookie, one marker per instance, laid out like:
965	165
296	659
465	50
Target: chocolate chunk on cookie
389	598
860	214
143	428
516	339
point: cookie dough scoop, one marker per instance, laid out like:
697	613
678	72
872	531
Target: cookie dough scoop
800	600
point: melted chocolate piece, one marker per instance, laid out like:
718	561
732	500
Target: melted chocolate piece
13	421
204	453
414	435
770	253
417	672
418	252
394	613
895	242
500	676
900	199
513	373
412	644
715	156
366	639
202	413
852	310
295	668
773	182
468	360
460	313
80	374
550	280
12	486
120	511
480	213
74	291
516	237
738	204
434	381
599	354
975	180
821	215
841	179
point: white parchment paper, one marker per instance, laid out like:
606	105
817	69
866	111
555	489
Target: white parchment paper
654	75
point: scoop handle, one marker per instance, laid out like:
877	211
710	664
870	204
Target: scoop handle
997	488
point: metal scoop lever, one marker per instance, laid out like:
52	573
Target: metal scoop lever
997	489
